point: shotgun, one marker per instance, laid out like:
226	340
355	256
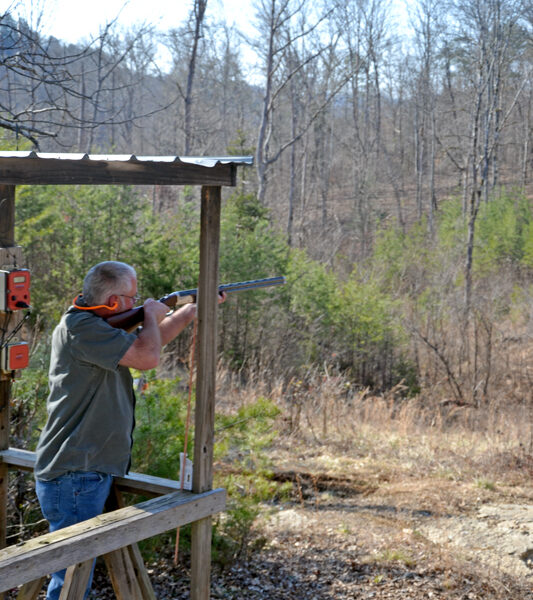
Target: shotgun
134	317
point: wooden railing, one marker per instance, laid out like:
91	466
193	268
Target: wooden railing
112	535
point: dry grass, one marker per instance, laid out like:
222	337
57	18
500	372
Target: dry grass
421	439
439	457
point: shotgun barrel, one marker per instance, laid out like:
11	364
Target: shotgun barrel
134	317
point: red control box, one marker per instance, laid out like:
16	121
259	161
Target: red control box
14	289
15	356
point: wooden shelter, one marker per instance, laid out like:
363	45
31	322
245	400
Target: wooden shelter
114	534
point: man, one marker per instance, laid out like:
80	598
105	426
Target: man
88	434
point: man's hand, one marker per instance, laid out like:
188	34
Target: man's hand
180	318
156	310
145	351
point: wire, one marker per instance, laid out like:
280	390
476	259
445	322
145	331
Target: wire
5	328
6	340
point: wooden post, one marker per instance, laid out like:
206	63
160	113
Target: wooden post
76	580
125	566
7	215
205	386
7	240
31	590
5	388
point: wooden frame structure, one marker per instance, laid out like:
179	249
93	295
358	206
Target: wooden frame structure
114	534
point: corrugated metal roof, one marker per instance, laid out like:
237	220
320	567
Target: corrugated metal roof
203	161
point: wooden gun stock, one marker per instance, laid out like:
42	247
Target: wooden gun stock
133	318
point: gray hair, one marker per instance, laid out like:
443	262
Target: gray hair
104	279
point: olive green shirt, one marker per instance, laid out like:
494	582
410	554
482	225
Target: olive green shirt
91	402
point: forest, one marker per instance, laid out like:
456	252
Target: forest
391	185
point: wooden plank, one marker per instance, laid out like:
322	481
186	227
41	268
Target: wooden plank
148	485
5	391
52	171
7	215
54	551
135	483
205	385
14	457
122	575
126	566
76	580
31	590
10	256
143	580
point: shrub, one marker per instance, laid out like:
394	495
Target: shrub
242	467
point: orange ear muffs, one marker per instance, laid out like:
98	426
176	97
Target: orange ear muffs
115	305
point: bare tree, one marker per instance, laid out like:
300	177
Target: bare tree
185	47
282	60
36	85
365	40
114	73
428	27
488	41
50	91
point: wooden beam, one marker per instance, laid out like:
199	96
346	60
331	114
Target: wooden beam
134	483
125	566
51	171
76	580
107	532
7	214
31	590
5	390
205	385
122	574
7	241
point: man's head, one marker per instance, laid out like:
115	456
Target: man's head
109	282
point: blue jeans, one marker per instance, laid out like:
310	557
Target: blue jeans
67	500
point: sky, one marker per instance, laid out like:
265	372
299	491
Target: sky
75	20
72	21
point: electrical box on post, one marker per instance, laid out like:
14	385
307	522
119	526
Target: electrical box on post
15	356
14	290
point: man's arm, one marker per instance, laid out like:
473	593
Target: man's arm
176	322
157	331
172	325
145	351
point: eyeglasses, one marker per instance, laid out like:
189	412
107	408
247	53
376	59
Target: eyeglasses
134	298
